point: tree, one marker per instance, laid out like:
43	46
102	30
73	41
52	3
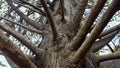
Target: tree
58	33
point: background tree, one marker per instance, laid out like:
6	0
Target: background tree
58	33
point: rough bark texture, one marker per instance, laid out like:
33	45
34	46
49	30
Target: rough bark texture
64	29
111	64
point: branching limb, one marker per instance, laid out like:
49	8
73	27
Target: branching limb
81	52
75	22
79	38
28	7
41	11
14	53
24	17
23	26
102	42
50	19
23	40
115	55
114	28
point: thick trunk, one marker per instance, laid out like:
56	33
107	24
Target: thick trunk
57	62
60	59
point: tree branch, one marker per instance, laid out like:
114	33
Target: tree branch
41	11
14	53
75	22
79	38
81	52
50	19
102	42
112	29
24	17
32	30
23	40
29	8
115	55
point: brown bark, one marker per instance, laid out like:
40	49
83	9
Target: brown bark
27	19
79	38
65	44
50	18
14	53
23	40
21	25
79	14
112	9
102	42
112	29
115	55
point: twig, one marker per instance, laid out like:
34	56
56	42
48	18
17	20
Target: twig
62	9
110	48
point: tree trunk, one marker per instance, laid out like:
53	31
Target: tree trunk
65	41
56	56
59	60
